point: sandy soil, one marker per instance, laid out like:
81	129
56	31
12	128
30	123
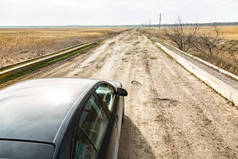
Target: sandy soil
169	112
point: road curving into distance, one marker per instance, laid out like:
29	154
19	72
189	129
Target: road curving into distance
169	112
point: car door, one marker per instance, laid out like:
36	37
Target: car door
93	126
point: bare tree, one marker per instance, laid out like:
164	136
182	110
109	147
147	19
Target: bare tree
181	36
206	42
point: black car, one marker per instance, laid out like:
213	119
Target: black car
61	118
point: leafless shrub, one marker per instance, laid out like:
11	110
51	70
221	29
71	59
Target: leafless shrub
233	53
207	43
181	36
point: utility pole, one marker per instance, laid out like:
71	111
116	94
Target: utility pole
149	22
159	20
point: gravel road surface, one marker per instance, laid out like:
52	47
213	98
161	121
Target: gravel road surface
169	112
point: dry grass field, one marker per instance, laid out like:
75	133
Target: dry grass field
226	53
17	45
226	32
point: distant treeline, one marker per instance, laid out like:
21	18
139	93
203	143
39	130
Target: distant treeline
111	26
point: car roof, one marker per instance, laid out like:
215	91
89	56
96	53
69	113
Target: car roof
34	110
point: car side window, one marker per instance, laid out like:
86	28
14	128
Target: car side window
83	148
93	124
107	95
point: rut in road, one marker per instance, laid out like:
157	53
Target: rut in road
169	112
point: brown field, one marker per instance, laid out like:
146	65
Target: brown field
226	32
17	45
226	53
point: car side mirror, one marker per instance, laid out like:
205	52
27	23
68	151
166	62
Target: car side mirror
121	92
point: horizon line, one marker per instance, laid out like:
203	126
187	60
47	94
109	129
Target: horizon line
119	25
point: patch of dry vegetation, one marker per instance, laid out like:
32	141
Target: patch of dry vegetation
225	52
18	45
226	32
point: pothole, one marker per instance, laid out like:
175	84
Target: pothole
153	58
124	59
136	83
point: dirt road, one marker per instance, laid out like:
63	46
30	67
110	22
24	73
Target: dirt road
169	112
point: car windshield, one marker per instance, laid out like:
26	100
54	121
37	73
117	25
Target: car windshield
25	150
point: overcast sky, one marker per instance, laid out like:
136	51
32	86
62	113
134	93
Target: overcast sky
114	12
